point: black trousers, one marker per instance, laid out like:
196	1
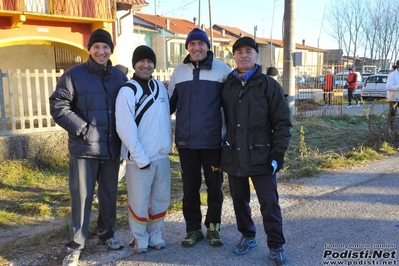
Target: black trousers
191	162
327	96
351	96
393	106
266	191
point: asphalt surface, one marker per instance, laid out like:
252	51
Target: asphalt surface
345	217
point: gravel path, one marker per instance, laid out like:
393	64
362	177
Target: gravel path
350	206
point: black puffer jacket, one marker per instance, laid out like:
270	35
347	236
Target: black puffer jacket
83	103
258	125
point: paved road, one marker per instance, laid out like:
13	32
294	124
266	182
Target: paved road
344	213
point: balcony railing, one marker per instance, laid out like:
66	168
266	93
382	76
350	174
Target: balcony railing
98	9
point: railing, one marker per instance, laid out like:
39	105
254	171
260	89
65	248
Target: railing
100	9
24	105
24	100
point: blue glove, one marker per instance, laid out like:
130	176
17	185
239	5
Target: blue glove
279	159
274	165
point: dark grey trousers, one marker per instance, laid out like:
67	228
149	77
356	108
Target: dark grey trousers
83	175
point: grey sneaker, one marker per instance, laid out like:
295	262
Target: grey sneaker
278	257
244	245
112	243
213	235
71	260
192	238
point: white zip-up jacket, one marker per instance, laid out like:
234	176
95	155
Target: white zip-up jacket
150	138
393	86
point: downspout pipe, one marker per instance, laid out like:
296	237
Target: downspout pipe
123	7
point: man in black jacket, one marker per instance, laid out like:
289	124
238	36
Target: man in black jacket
258	132
83	103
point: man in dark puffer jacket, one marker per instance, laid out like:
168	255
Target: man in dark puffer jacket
258	132
83	103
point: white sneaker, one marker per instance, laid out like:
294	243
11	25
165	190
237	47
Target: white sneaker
348	106
358	104
112	243
71	260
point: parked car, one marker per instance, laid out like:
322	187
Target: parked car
384	71
300	80
375	86
320	82
360	83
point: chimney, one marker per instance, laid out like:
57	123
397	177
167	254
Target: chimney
303	42
203	27
195	20
223	32
167	24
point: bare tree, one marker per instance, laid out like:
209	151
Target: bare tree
334	17
365	25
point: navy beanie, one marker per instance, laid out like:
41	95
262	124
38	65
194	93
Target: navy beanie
198	35
245	41
143	52
100	35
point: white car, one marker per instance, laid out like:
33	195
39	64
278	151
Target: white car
375	86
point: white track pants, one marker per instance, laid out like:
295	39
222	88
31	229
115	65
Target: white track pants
149	199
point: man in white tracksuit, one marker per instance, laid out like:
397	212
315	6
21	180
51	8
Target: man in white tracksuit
143	125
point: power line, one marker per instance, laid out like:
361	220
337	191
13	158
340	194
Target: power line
183	6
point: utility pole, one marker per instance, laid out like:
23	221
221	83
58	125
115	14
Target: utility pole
289	48
210	22
271	32
199	13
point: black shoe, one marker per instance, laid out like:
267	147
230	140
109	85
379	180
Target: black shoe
244	245
278	257
192	238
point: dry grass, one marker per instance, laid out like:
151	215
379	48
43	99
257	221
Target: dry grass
34	193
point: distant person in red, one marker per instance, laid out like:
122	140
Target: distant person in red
328	86
352	86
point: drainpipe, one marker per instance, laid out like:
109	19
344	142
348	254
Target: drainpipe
120	19
119	7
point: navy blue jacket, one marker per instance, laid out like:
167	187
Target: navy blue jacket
196	97
83	103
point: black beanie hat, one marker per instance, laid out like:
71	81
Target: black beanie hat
245	41
143	52
198	35
100	35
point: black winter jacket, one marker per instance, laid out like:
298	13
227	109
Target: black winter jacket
258	125
83	103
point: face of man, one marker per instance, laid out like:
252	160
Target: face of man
197	50
144	69
245	57
100	52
